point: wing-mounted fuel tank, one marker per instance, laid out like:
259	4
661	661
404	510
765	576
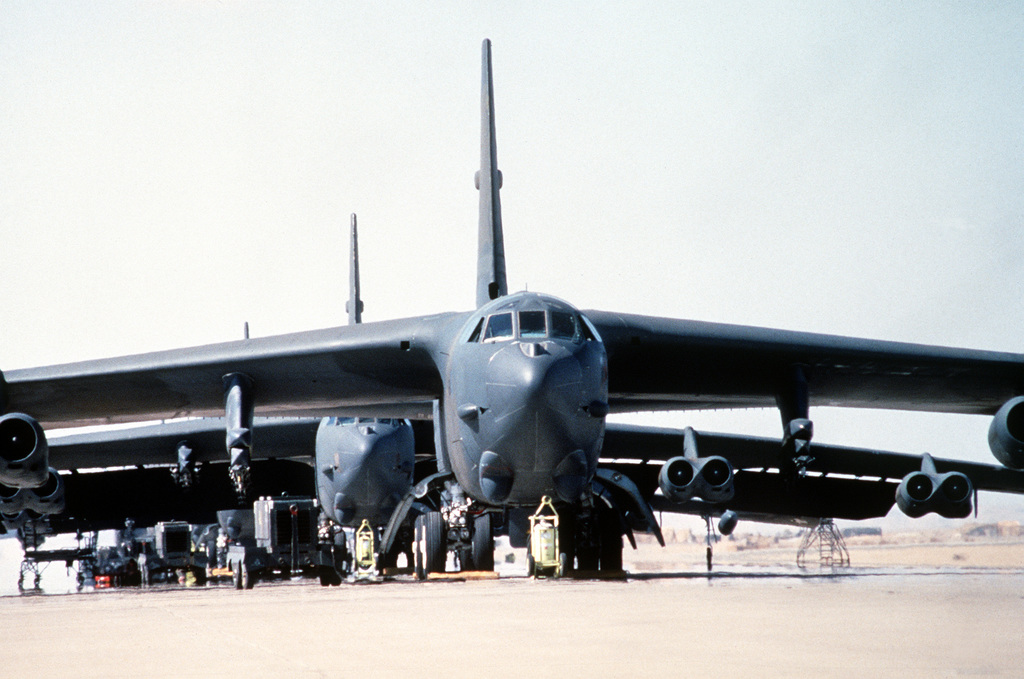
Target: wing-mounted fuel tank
690	475
23	452
363	467
948	495
1006	434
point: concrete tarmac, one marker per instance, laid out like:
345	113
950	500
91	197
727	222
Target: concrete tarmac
897	624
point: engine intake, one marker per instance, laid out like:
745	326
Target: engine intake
709	478
23	452
948	495
46	499
1006	434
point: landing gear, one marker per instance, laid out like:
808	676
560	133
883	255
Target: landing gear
430	549
248	578
332	553
711	537
483	543
611	547
596	540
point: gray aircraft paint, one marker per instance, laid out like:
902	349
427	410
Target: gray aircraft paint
401	368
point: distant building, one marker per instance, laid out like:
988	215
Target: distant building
1003	529
862	530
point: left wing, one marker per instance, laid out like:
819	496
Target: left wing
840	482
667	364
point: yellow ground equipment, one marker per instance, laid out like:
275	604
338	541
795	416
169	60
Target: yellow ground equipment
544	556
365	562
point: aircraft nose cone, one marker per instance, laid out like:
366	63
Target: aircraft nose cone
536	377
537	429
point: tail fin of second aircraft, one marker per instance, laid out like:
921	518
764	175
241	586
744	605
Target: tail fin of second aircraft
490	278
354	305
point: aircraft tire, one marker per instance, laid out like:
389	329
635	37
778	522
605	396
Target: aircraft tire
611	546
236	576
567	542
483	543
329	577
418	551
588	557
435	544
248	580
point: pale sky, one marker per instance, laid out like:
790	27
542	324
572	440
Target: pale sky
171	170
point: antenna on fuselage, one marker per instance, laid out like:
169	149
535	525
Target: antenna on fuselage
490	275
354	305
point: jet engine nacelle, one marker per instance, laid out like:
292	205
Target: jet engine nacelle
1006	434
709	478
948	495
46	499
23	452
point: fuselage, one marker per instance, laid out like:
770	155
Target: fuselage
525	399
364	467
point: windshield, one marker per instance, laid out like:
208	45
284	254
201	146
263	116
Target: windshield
499	326
534	324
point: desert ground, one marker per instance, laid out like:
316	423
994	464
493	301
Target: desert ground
924	609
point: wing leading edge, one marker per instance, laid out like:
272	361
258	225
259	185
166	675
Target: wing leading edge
387	367
667	364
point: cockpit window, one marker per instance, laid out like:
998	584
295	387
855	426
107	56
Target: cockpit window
532	325
563	325
499	326
475	335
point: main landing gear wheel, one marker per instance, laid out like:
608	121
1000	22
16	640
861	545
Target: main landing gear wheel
431	544
611	547
329	577
248	579
483	543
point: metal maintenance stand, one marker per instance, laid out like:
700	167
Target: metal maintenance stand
830	545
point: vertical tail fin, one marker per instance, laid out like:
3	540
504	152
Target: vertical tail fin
354	305
490	276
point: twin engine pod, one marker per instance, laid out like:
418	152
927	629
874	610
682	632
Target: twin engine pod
948	495
46	499
23	452
709	478
1006	434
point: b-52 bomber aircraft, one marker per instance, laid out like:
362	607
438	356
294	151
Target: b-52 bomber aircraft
518	392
